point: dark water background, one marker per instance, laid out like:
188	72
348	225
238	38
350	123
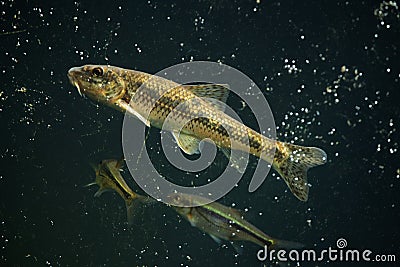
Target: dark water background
329	69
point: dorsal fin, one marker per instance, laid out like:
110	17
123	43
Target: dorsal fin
216	93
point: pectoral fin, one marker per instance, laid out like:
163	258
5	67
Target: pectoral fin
189	144
128	108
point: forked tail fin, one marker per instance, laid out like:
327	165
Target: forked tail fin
292	163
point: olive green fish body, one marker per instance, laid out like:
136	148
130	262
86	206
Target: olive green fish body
200	118
155	100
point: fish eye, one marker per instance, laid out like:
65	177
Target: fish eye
97	71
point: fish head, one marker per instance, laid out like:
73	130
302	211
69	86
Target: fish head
99	82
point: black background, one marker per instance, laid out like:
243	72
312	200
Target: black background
344	55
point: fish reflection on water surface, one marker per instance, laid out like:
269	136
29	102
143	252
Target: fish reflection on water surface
215	219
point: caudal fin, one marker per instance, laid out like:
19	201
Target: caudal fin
293	168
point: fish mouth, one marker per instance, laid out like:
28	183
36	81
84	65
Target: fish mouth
72	73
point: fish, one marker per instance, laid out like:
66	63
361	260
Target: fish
109	178
223	223
218	221
203	115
